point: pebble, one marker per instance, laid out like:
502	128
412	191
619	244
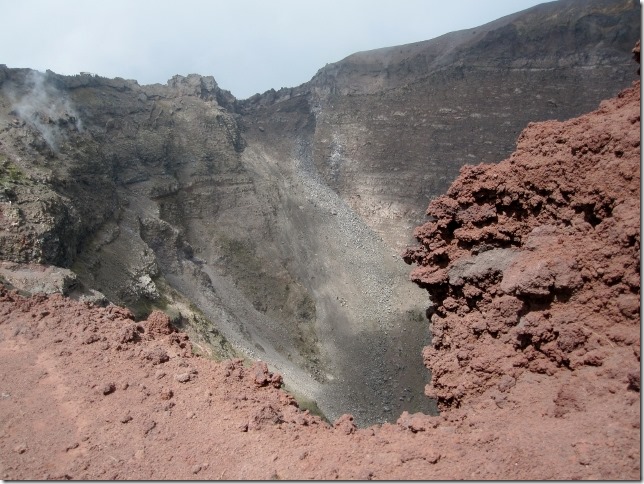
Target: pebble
108	388
71	446
183	377
148	426
20	448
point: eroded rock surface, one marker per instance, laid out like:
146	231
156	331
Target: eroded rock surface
533	264
533	269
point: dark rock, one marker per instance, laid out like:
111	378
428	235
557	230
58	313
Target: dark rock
108	388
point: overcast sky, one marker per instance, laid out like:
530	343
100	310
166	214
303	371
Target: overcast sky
249	46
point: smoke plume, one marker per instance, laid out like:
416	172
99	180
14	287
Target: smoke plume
44	108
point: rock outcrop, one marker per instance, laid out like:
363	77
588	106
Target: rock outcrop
533	267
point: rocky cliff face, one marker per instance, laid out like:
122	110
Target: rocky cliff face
395	125
273	225
153	197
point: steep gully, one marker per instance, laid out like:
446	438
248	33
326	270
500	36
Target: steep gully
272	226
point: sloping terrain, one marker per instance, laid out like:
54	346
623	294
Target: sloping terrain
533	267
271	227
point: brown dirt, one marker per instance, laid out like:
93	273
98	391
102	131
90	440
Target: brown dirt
533	265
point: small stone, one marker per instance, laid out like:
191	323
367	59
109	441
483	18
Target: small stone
432	457
345	424
158	323
148	426
583	451
126	418
166	394
183	377
196	469
108	388
506	383
20	448
128	334
634	380
92	338
71	446
157	356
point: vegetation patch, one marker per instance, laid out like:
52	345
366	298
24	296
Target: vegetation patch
10	174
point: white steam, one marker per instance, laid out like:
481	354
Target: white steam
45	108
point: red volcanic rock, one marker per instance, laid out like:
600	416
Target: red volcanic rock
538	258
345	425
158	323
532	266
264	377
418	422
157	355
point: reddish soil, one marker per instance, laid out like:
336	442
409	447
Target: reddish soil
533	266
